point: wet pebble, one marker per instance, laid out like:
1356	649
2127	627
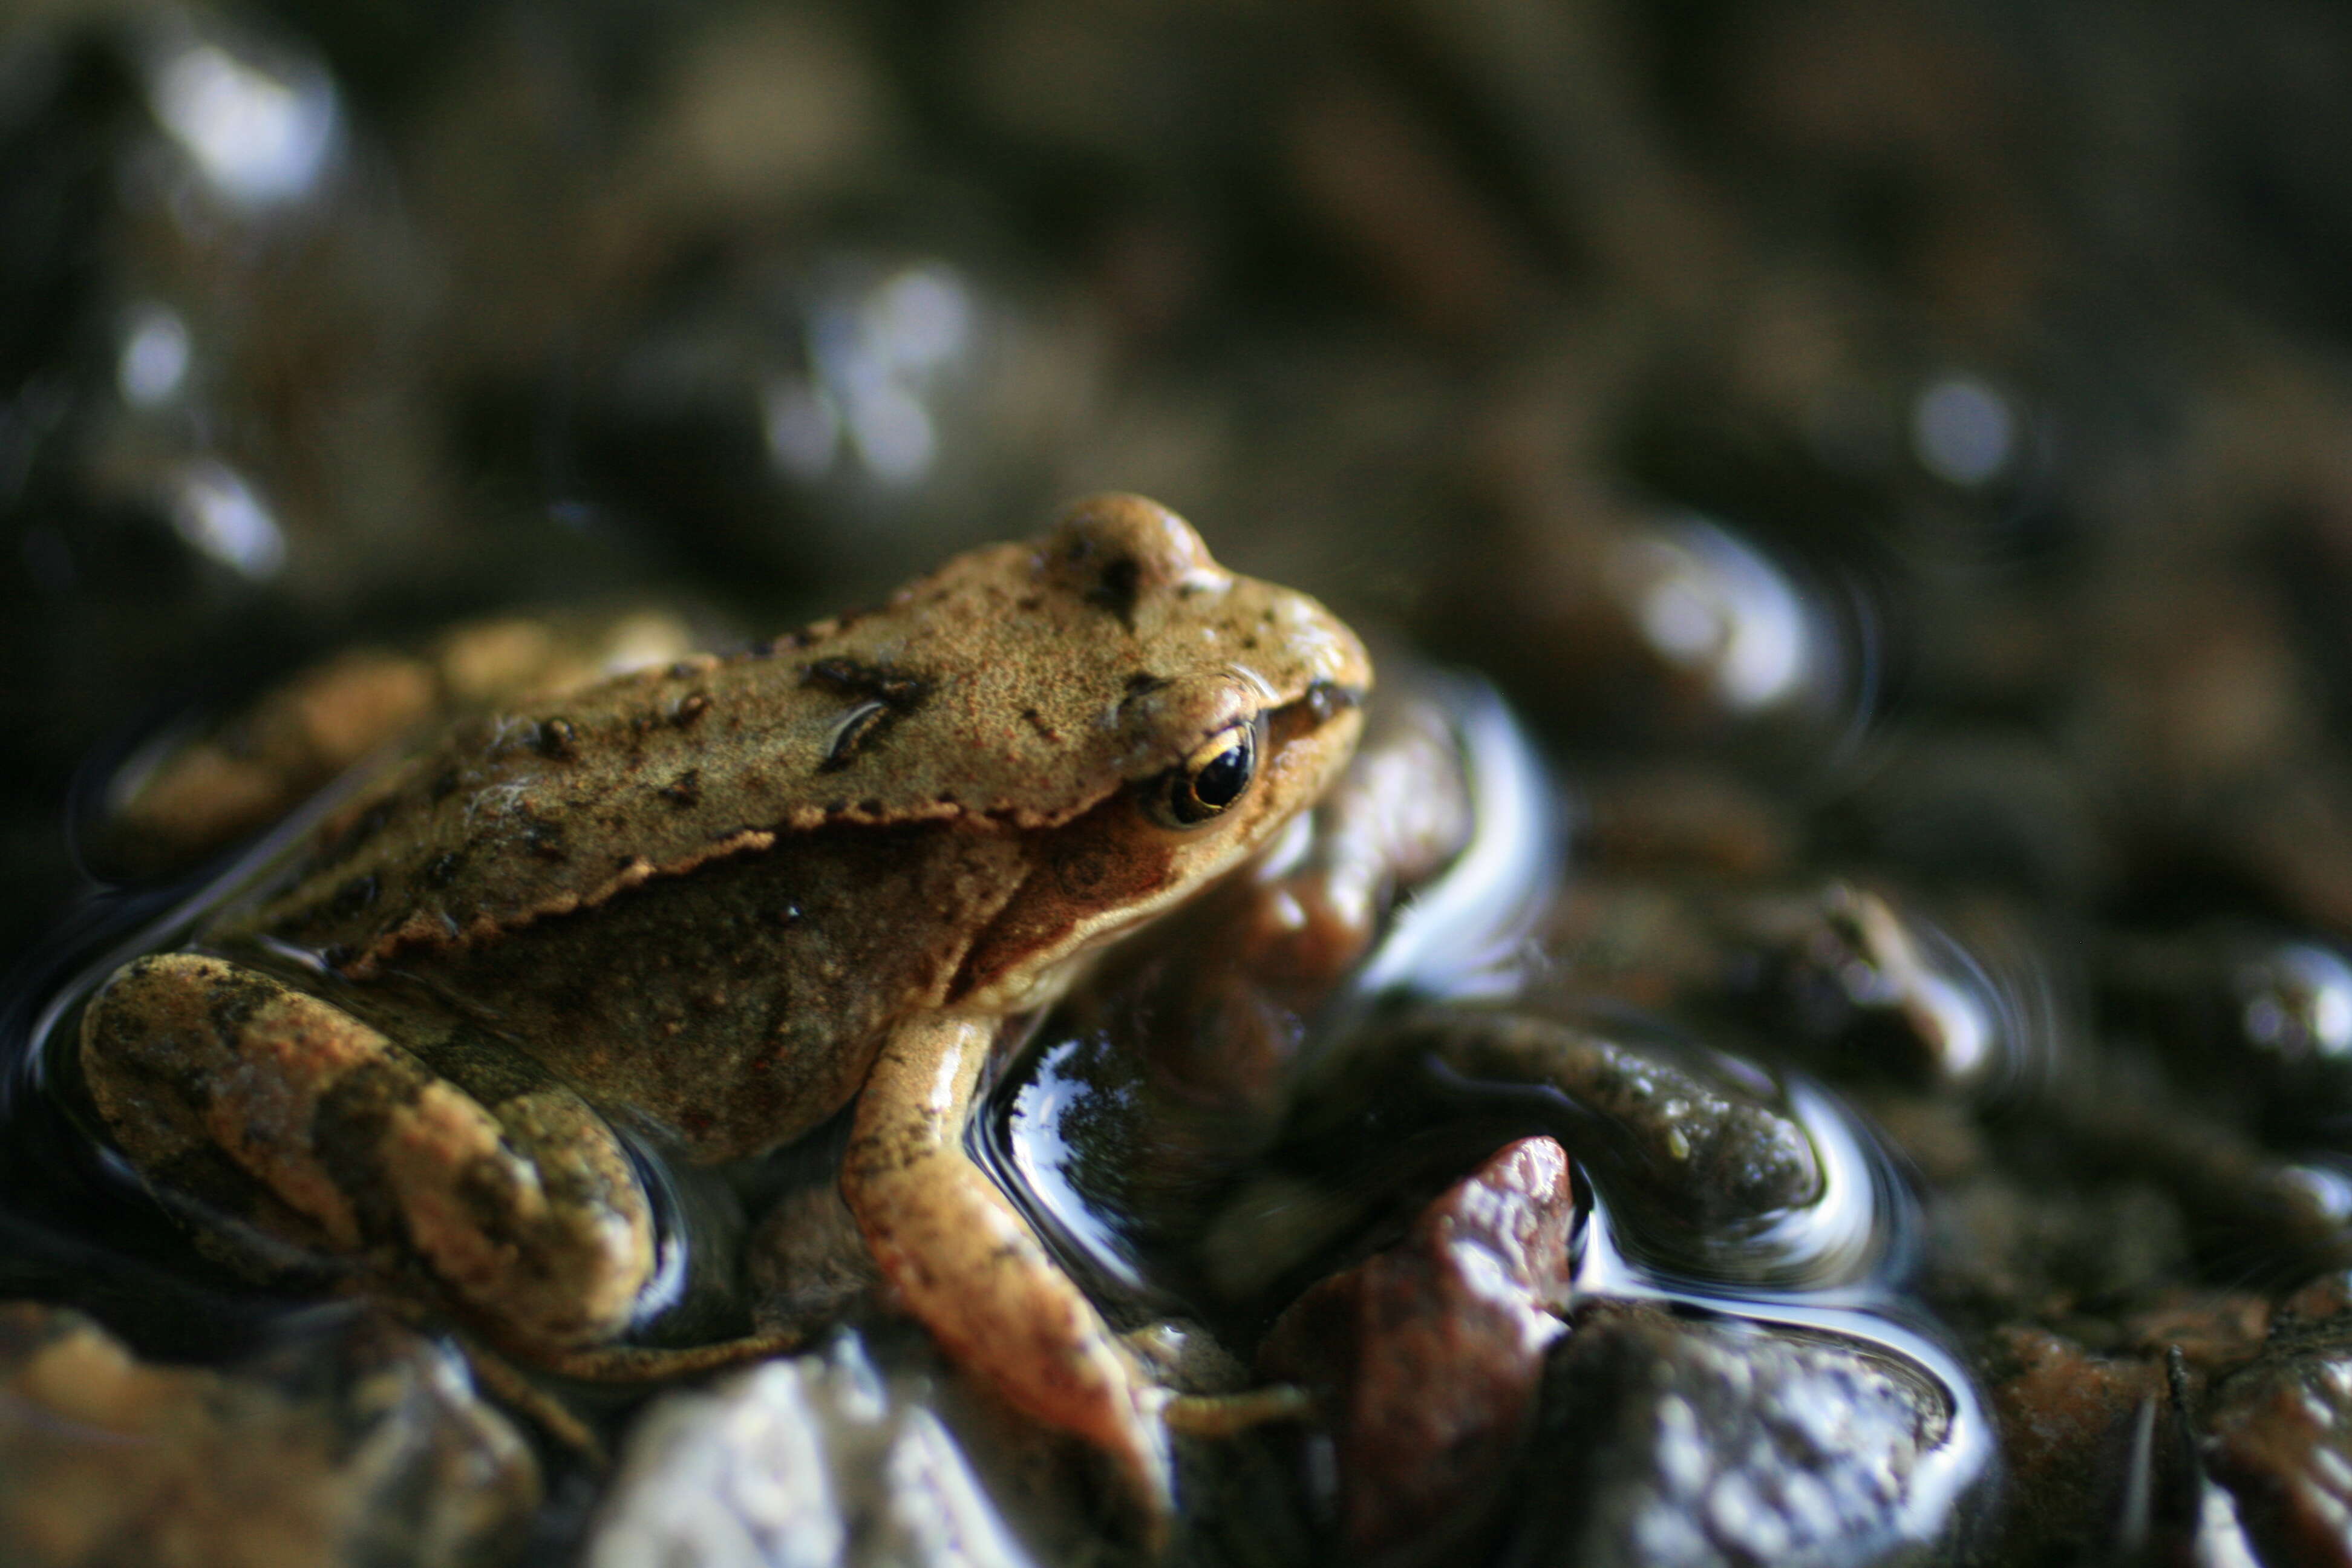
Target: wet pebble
2279	1436
806	1262
2069	1422
1430	1353
819	1460
1694	1151
1709	1150
1675	1443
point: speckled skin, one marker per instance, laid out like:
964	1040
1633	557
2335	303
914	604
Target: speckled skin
715	901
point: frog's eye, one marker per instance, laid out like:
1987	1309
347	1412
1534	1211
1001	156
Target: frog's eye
1208	781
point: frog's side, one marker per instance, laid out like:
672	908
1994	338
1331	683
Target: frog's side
718	899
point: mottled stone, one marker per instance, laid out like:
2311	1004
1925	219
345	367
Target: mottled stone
1430	1353
1672	1443
814	1462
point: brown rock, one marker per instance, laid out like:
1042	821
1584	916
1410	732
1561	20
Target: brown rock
2067	1422
2279	1436
1431	1353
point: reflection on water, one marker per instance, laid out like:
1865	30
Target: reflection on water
2298	1002
1391	1106
215	511
153	365
1464	936
260	133
875	352
1058	1119
1838	1268
1709	602
1963	431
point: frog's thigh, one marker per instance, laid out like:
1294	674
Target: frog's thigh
968	1264
529	1209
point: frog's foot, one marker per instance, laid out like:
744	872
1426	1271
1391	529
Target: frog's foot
527	1208
969	1266
645	1363
1229	1415
499	1379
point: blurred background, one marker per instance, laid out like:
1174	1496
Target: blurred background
1771	381
1907	440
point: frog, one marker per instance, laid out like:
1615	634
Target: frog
704	908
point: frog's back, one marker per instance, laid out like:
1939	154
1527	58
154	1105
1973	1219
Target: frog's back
772	854
1011	691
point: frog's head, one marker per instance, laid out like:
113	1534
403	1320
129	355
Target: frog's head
1214	709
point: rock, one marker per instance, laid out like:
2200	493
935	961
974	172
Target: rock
1673	1443
1431	1353
2279	1436
806	1263
812	1461
105	1459
2068	1424
1704	1152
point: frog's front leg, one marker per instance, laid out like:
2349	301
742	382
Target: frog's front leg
316	1127
969	1266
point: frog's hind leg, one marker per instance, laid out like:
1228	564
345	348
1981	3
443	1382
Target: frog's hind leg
527	1208
969	1266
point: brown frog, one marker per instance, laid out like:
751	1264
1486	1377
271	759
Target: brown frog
715	902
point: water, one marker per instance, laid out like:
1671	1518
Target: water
1079	1131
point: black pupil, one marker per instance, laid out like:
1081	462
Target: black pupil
1221	783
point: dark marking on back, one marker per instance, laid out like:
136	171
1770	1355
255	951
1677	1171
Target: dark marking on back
1036	721
684	790
557	740
884	696
205	1172
1119	584
853	732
